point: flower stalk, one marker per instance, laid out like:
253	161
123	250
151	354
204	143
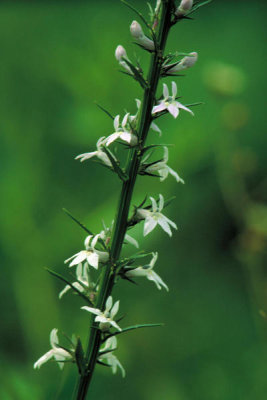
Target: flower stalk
107	280
102	253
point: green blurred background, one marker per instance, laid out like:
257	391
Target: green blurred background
57	59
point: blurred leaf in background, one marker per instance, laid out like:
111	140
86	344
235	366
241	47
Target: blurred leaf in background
57	59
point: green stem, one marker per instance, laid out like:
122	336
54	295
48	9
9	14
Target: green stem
107	279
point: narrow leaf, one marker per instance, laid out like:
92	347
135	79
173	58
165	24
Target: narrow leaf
79	356
122	175
77	222
60	277
105	111
131	328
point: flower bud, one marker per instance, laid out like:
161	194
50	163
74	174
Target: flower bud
186	62
184	7
120	53
138	34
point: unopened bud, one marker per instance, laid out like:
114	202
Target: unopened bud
186	62
184	7
120	53
138	34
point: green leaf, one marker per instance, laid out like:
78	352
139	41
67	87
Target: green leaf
131	328
77	222
79	357
122	175
60	277
105	111
198	5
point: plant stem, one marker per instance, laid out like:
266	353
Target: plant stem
145	119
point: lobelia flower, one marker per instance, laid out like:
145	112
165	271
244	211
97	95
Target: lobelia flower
170	103
109	358
162	168
106	317
186	62
121	132
98	153
138	34
184	7
155	217
60	355
147	272
91	255
82	284
120	54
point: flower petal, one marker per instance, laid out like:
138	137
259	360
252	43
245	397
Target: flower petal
165	91
173	110
160	107
150	224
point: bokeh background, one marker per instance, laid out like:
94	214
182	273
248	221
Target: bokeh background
57	59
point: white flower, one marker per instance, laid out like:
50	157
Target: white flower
186	62
120	54
138	34
121	132
147	271
170	103
109	358
98	153
184	7
91	255
82	282
106	317
154	217
163	169
57	352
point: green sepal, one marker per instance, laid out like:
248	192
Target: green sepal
60	277
121	174
131	328
79	357
136	74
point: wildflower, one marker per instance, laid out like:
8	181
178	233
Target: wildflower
138	34
91	255
98	153
147	271
82	284
60	355
186	62
107	356
106	317
155	217
170	103
121	55
162	168
121	132
184	7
